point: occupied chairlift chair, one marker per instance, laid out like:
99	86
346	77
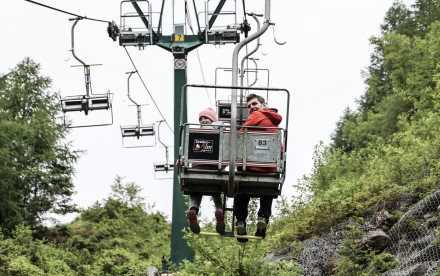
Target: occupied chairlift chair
139	130
89	101
254	148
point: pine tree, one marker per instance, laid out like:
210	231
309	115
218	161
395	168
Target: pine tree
36	162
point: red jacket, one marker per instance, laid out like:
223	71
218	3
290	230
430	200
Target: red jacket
263	118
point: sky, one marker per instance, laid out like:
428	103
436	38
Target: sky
327	47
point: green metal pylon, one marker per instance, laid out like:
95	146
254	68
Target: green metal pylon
179	45
179	247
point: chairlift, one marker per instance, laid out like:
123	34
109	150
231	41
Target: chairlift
89	101
133	22
229	33
254	148
161	167
139	130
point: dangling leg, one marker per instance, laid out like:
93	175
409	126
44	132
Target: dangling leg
241	203
219	217
194	204
264	214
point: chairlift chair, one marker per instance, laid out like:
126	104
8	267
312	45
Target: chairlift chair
161	167
89	101
223	34
133	30
139	130
253	149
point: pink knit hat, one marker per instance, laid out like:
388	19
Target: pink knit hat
208	113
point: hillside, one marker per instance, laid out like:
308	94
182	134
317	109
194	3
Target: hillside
384	156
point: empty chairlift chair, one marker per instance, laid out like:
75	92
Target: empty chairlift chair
89	101
139	130
163	170
134	22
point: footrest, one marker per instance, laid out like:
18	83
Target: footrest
231	236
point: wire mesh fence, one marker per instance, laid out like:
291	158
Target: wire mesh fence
413	241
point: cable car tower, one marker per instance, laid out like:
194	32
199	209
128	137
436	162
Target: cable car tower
136	29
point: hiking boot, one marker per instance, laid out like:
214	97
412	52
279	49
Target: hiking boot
192	218
220	226
261	227
241	230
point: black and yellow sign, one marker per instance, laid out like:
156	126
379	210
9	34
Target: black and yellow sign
179	37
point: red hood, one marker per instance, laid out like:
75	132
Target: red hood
273	116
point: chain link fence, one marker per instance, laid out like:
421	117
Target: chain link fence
413	241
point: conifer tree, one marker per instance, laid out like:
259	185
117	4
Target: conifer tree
36	162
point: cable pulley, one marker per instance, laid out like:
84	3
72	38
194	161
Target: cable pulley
113	30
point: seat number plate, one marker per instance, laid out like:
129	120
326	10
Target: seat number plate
261	144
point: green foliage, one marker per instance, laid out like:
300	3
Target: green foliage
437	239
109	238
119	261
357	260
36	162
399	19
119	235
381	263
339	140
23	255
128	193
226	256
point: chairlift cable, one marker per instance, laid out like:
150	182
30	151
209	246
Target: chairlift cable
203	76
55	9
148	91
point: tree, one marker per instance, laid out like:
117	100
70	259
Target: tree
426	12
399	19
339	138
129	193
36	162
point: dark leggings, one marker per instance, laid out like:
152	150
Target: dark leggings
241	203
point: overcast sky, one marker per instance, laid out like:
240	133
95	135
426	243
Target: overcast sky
327	47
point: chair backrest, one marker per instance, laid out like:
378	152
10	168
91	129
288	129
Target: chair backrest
205	154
